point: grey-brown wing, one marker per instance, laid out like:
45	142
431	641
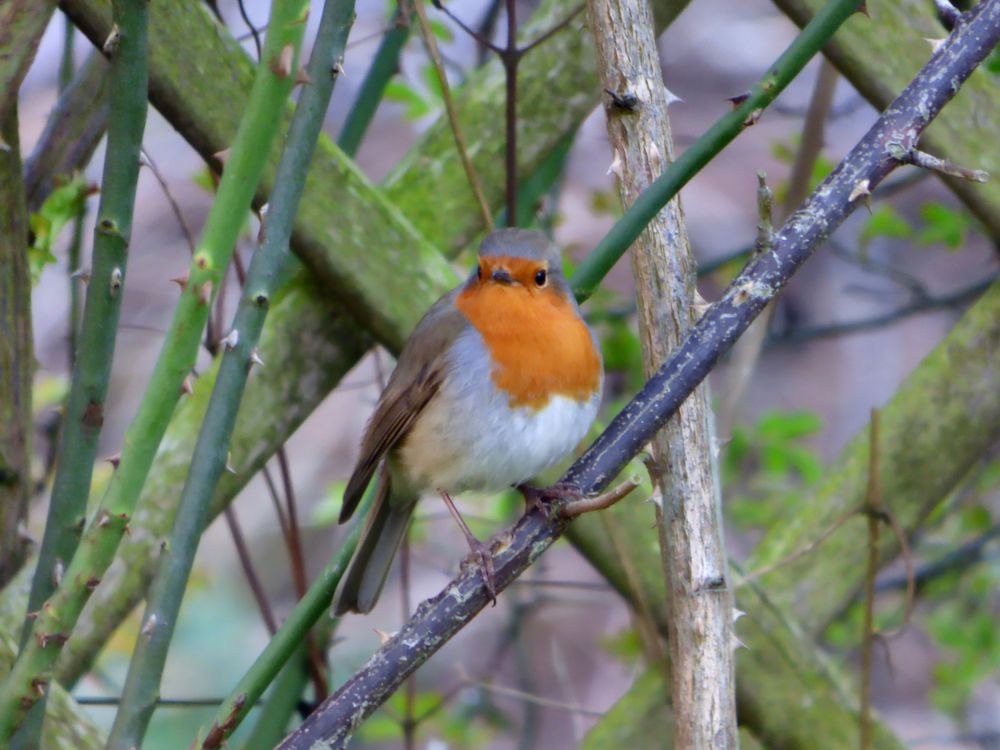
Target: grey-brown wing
419	372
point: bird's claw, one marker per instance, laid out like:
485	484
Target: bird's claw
541	497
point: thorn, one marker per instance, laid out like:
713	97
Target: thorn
232	339
181	281
32	616
338	70
654	153
282	67
187	387
229	462
302	77
116	282
46	638
223	156
57	572
752	118
672	98
737	644
738	100
737	614
4	146
700	304
92	583
935	43
105	520
255	358
383	637
114	460
205	293
83	274
110	45
616	165
38	685
860	190
148	628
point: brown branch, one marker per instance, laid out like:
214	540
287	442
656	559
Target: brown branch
606	500
449	104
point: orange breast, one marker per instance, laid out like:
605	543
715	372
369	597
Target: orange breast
540	346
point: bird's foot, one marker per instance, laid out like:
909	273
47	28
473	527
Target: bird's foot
542	497
481	551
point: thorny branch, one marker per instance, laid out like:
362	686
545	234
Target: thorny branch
868	163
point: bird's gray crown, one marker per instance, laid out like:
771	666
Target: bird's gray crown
522	243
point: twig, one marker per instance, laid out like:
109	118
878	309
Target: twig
240	355
147	161
925	161
799	553
246	562
948	13
538	700
874	504
463	154
765	221
25	684
910	597
964	556
253	29
921	305
605	500
438	619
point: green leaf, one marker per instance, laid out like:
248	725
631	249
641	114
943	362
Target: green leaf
885	221
441	30
790	425
401	92
64	204
942	225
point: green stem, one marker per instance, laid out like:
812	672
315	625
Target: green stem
273	718
88	390
57	617
627	229
284	643
167	591
384	66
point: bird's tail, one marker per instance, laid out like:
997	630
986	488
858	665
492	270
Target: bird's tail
368	569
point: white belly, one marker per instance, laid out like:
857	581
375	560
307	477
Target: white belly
468	437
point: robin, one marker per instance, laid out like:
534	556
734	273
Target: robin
500	380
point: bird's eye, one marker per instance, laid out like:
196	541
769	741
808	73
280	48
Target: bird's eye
479	272
540	277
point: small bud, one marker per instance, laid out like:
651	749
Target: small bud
338	69
181	281
114	460
187	387
116	282
255	358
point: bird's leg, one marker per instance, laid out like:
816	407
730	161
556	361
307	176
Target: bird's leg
539	497
479	549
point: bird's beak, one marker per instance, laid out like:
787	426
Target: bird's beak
502	276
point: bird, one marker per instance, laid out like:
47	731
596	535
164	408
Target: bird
499	381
